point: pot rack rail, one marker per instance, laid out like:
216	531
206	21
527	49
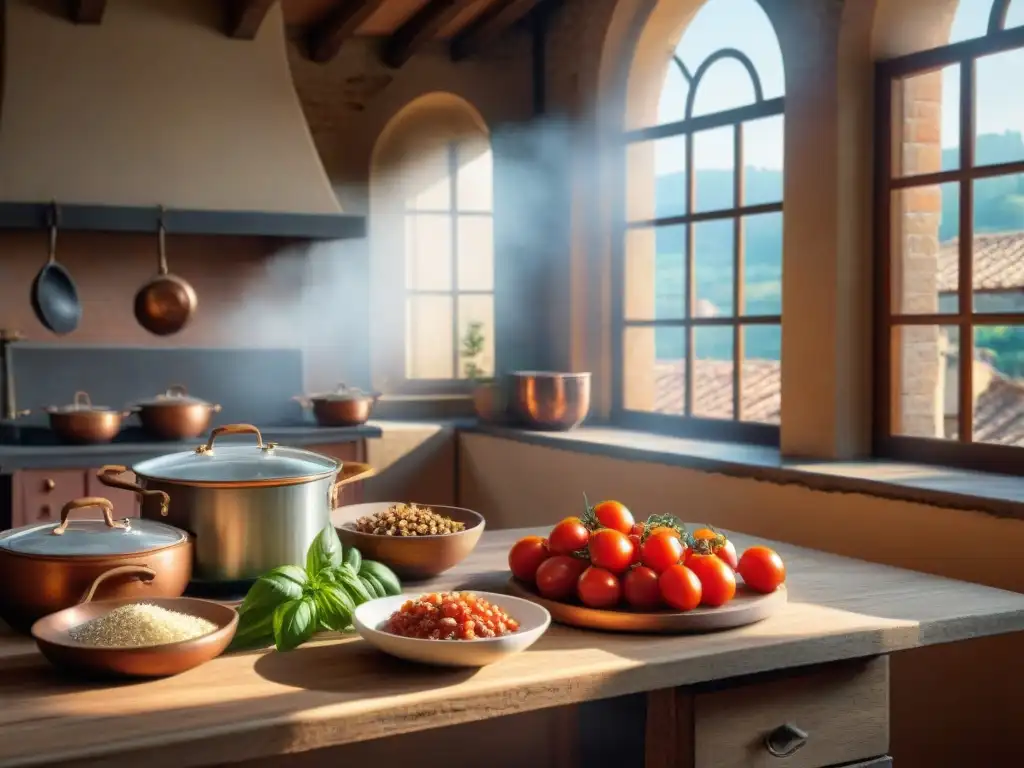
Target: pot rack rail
182	221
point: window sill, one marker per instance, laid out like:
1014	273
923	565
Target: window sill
1000	495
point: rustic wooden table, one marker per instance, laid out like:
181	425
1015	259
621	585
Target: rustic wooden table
709	700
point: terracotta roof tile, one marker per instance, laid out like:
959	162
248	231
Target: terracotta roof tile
998	262
999	412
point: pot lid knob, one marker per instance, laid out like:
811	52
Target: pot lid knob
234	429
84	503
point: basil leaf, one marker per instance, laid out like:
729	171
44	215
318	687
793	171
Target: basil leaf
324	552
353	558
334	607
255	630
294	623
272	589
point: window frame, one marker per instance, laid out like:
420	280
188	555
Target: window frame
687	424
961	451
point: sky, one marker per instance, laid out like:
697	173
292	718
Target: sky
727	84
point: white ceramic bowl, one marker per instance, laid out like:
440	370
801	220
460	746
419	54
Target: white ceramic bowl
533	619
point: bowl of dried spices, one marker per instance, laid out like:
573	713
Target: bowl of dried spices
416	541
155	637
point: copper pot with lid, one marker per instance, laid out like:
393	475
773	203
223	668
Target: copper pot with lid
46	567
81	422
344	407
175	415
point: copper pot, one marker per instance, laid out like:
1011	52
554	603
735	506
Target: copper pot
546	400
82	422
175	415
48	567
344	407
165	304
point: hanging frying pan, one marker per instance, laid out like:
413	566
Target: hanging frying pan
165	304
54	296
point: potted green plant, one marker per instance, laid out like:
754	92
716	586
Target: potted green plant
486	397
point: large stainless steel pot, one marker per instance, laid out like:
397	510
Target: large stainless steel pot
251	508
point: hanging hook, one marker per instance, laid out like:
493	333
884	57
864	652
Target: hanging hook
162	241
53	219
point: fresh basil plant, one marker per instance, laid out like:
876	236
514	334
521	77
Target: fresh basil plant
286	606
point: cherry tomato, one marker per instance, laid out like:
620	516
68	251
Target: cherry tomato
762	569
705	533
720	545
717	581
556	577
598	588
614	515
634	539
610	549
680	588
526	556
727	552
660	551
666	529
568	536
637	529
640	586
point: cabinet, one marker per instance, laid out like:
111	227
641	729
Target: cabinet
38	495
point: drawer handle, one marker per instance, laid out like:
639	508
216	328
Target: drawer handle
785	740
49	484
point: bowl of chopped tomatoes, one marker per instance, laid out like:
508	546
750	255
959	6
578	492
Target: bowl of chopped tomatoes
451	629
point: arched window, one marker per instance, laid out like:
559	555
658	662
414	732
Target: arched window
700	310
951	245
433	247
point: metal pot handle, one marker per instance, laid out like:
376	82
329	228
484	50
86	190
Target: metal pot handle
108	473
351	472
235	429
144	574
89	501
304	401
176	390
82	400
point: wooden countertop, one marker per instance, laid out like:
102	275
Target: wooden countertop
337	691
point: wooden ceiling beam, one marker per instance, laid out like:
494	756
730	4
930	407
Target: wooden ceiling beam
87	11
419	30
486	28
245	17
324	38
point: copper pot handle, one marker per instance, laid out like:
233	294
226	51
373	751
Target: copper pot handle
350	472
235	429
304	401
108	476
83	399
89	501
144	574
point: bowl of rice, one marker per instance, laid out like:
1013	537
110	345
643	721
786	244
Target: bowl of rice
155	637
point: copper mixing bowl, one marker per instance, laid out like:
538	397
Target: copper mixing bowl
547	400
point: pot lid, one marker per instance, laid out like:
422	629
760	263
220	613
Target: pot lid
343	392
258	464
91	538
175	395
82	404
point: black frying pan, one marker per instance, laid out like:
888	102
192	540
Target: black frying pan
54	296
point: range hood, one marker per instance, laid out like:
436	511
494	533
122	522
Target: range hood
154	107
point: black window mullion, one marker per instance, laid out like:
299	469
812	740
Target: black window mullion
690	282
453	203
738	266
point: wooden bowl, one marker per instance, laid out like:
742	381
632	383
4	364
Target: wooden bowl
410	557
51	635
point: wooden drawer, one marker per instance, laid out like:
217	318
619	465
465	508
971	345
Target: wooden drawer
126	503
40	494
843	709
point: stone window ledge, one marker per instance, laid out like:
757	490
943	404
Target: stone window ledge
1000	495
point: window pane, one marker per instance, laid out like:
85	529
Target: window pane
926	120
762	268
714	158
656	179
926	250
653	363
999	111
655	275
475	177
428	337
712	376
999	244
713	268
998	379
427	180
476	336
924	367
763	160
428	252
476	253
761	374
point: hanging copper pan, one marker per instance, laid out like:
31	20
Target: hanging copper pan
165	304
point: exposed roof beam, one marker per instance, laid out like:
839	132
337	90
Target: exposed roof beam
87	11
324	39
489	26
420	29
244	17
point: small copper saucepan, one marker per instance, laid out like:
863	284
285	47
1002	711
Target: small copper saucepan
46	567
83	423
344	407
165	304
175	415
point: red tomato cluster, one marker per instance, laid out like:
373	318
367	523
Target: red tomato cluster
605	558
